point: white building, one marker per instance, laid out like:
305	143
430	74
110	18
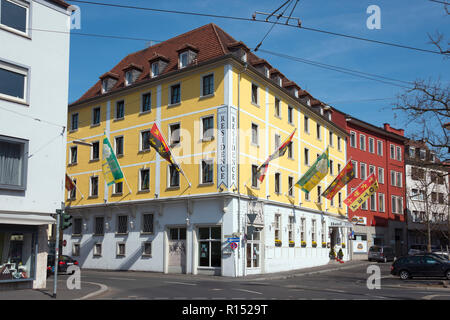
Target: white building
427	195
34	69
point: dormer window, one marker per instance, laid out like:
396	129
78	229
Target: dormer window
109	80
128	78
239	50
183	60
266	72
132	73
155	69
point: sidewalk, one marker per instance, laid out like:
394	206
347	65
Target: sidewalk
87	290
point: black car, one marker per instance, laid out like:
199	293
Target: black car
63	264
420	266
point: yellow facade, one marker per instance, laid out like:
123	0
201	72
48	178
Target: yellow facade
192	149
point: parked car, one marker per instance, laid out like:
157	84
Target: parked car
381	253
420	266
417	249
63	263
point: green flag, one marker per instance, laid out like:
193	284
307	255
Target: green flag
315	174
110	166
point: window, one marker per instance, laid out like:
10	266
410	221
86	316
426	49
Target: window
362	142
364	205
381	202
96	116
355	168
290	114
371	169
277	141
290	186
128	78
95	151
362	171
145	140
175	94
313	230
417	173
207	171
289	149
147	223
340	199
254	176
399	179
74	122
254	93
120	109
393	182
14	14
13	163
306	124
210	246
277	227
97	250
291	225
277	107
380	148
73	154
423	154
306	196
118	188
392	152
208	128
330	138
77	224
440	198
122	224
302	229
155	69
99	226
371	145
338	168
146	102
324	231
319	193
412	152
339	143
399	153
73	192
253	248
174	177
174	134
13	81
306	156
147	249
255	134
397	204
183	59
318	132
144	184
381	175
119	145
94	187
120	249
331	168
207	85
277	183
373	204
352	139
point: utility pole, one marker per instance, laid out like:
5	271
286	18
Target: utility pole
55	274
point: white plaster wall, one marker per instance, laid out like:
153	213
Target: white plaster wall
47	56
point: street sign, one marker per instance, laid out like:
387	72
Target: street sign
233	245
233	240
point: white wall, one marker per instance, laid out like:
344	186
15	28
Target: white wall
47	56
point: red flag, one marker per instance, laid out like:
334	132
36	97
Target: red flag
341	180
69	183
159	144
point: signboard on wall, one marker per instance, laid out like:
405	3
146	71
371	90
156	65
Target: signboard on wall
359	220
359	246
255	213
222	159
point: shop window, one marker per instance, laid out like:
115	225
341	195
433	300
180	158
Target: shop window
210	246
253	249
17	255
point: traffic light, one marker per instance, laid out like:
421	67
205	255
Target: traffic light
65	220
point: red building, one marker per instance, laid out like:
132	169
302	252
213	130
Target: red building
380	220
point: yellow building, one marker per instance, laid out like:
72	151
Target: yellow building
223	111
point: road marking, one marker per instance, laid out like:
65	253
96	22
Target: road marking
185	283
102	289
250	291
127	279
431	296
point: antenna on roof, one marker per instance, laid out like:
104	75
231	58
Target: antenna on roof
149	43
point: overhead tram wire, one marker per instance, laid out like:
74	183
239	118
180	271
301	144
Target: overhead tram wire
262	21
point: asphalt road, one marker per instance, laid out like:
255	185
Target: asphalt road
348	284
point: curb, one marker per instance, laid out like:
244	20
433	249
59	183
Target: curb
103	288
306	273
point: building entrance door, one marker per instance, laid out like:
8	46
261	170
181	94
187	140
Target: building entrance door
177	250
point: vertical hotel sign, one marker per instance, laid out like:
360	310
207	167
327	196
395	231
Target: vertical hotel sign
226	147
222	161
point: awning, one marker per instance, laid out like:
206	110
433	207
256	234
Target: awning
26	219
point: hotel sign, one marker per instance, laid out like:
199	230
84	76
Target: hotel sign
227	147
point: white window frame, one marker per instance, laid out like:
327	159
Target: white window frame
72	194
355	144
201	177
116	107
379	150
170	134
381	202
373	144
92	151
202	137
123	146
140	180
128	78
144	254
72	129
279	183
362	137
168	179
392	151
21	70
142	102
153	69
362	164
26	5
181	56
398	151
306	124
339	143
93	116
118	244
291	112
355	167
141	141
257	134
90	186
278	115
95	251
373	204
380	176
202	79
71	155
170	94
256	103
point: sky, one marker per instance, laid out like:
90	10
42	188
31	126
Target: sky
402	22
